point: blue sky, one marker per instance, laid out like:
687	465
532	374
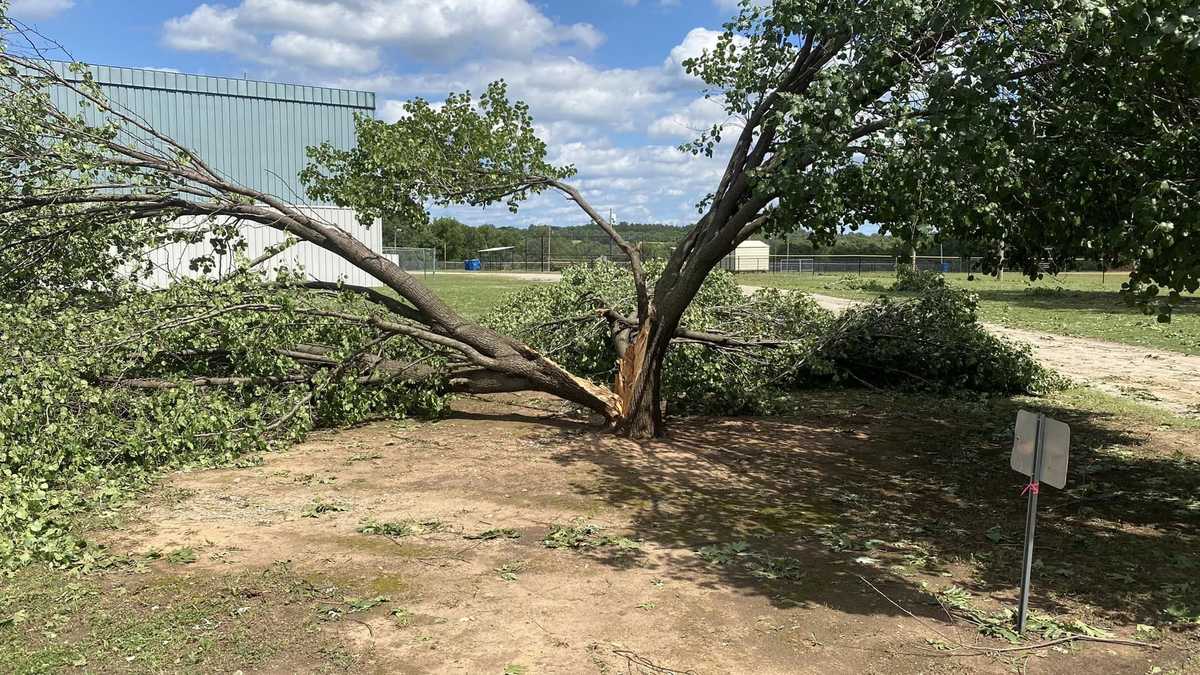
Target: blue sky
602	77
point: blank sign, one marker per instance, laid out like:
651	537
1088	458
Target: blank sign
1055	449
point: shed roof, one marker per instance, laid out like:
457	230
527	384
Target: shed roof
753	244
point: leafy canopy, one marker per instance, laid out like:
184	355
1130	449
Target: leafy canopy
1046	129
466	151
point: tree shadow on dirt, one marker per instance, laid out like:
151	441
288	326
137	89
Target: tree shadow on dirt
901	490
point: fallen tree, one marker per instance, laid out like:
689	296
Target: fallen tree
832	101
96	399
739	354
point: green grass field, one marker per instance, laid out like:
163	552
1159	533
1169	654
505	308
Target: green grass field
1083	305
472	295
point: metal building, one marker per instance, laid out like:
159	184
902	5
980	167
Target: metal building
254	132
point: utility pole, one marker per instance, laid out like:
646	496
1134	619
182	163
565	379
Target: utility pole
613	224
1000	270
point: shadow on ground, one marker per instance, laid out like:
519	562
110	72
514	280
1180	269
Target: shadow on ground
902	490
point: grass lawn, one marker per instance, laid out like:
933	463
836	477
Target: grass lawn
1082	305
473	296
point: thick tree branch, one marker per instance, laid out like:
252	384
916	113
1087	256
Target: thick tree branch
393	305
631	251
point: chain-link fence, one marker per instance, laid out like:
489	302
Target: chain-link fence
535	261
413	260
861	264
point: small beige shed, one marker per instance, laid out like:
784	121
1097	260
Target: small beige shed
750	256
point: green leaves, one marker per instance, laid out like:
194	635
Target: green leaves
931	343
495	533
402	528
582	536
1039	131
560	320
71	441
466	151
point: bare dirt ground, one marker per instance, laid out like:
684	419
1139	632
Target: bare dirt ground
549	277
1165	379
797	517
1158	377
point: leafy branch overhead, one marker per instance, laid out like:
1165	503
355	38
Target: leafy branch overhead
469	151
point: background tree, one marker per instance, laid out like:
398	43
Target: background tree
1093	153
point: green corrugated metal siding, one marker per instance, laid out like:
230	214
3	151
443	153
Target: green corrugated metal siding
255	132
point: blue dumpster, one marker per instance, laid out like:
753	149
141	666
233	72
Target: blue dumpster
472	265
945	266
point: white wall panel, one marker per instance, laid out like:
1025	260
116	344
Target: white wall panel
173	262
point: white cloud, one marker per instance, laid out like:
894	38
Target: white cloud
439	31
325	53
390	110
208	29
689	121
562	131
585	34
697	41
556	90
36	10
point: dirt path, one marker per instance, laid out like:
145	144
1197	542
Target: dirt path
549	277
1161	378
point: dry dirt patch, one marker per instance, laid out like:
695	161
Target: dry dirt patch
732	546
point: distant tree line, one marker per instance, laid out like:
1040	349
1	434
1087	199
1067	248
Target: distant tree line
455	240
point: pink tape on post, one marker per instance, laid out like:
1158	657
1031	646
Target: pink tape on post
1031	487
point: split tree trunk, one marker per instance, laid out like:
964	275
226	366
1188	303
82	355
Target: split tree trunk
639	383
639	376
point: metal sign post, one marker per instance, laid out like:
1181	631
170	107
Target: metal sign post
1031	522
1040	451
